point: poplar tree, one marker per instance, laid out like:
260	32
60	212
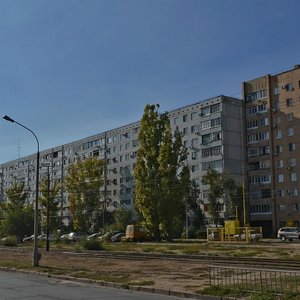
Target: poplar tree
159	196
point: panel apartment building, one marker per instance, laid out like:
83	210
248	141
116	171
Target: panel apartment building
213	135
272	125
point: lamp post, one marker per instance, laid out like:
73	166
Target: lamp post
48	166
36	254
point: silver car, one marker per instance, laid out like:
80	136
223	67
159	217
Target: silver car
288	233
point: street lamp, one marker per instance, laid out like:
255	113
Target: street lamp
36	254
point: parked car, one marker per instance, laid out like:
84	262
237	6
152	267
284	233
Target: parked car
73	236
117	237
94	235
288	233
252	235
107	236
44	236
28	238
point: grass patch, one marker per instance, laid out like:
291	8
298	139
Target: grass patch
142	283
118	278
222	292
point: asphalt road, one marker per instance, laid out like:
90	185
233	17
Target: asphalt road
15	286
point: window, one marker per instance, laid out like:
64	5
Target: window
289	102
278	134
256	95
194	155
185	118
127	146
293	176
279	163
194	128
205	111
282	208
215	108
280	178
194	142
205	152
176	121
186	144
264	150
291	131
135	130
292	146
252	124
217	164
193	116
295	207
290	116
253	152
216	136
289	87
135	143
216	150
292	162
205	125
215	122
278	149
276	91
294	192
280	193
205	139
185	130
195	168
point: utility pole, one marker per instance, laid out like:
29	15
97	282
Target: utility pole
105	179
62	188
48	202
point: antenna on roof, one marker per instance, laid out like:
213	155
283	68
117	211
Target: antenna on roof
19	148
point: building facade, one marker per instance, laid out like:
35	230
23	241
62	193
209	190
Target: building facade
272	127
212	132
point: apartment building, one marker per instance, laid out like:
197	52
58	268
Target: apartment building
272	126
213	135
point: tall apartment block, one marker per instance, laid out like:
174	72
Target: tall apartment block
272	126
213	135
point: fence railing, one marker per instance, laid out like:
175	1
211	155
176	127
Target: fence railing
256	280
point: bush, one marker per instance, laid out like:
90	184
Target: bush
92	244
10	241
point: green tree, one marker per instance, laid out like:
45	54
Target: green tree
123	217
83	183
18	214
192	200
54	205
159	197
220	184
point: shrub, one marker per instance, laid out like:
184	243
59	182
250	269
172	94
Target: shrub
92	244
10	241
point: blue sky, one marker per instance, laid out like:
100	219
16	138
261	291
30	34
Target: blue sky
70	69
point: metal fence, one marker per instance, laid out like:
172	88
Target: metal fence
256	280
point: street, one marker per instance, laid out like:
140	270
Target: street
22	286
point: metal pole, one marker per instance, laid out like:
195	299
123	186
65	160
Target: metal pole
48	202
36	254
105	179
62	189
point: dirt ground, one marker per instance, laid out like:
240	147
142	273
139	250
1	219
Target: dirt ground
161	274
164	274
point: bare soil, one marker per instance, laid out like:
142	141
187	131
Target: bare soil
161	274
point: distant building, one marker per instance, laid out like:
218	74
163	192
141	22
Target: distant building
213	135
272	126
